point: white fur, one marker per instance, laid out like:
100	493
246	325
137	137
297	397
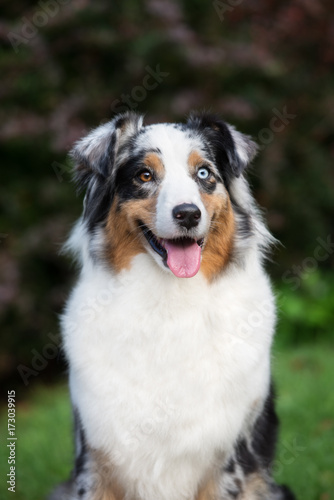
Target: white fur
163	379
178	186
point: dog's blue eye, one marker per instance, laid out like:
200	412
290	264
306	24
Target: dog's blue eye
203	173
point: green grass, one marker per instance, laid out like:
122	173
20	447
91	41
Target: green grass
304	379
44	444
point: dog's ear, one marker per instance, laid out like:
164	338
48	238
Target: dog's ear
95	154
233	150
94	159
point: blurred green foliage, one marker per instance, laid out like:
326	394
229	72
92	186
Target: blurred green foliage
265	66
306	314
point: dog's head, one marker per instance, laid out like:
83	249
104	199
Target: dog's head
164	189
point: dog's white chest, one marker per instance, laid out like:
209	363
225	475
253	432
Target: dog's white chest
160	372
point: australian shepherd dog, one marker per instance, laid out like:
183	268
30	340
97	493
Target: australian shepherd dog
169	328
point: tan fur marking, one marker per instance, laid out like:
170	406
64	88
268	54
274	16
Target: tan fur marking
256	488
218	247
123	238
208	491
152	160
194	160
107	488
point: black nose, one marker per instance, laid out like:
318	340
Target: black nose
187	215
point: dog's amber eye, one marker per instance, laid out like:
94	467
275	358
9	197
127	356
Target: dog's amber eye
145	176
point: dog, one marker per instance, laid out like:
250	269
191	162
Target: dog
168	330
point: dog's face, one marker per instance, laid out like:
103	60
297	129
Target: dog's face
163	189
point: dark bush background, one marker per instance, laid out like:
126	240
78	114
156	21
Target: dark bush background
66	66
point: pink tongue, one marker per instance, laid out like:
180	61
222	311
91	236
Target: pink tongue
183	259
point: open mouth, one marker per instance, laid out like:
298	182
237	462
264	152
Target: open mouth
181	255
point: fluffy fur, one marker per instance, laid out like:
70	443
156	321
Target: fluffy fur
169	328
